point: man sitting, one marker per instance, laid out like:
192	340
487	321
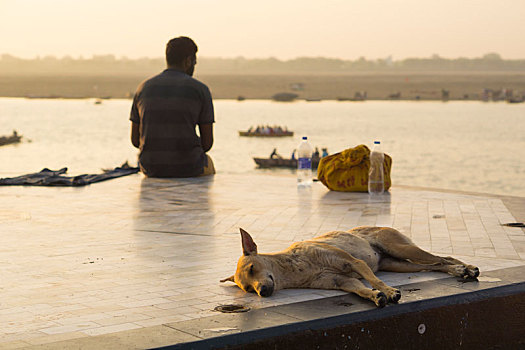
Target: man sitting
165	113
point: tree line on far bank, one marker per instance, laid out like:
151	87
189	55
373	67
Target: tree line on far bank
109	64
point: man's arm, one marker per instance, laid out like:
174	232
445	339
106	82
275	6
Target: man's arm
135	134
206	132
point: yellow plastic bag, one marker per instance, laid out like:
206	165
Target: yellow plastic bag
348	170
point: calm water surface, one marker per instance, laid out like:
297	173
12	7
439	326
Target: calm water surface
471	146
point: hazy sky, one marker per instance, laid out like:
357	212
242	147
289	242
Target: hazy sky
283	29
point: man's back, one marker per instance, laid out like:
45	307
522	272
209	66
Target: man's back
168	107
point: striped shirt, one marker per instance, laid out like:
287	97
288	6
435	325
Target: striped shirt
168	107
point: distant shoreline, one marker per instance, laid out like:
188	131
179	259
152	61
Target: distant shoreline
430	86
100	100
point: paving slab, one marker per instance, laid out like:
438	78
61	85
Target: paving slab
138	258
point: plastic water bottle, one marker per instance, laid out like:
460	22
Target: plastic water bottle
304	163
376	177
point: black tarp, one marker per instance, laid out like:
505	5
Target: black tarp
48	177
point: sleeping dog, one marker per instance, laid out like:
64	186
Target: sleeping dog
337	260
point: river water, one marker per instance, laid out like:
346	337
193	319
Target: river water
470	146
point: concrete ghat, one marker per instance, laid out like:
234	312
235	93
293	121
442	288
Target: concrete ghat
136	263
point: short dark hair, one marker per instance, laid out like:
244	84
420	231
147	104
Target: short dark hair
178	49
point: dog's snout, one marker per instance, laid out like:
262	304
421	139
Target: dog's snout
266	291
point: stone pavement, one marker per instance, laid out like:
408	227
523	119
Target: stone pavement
133	254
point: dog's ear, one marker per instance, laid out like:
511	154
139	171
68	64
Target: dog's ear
248	245
230	279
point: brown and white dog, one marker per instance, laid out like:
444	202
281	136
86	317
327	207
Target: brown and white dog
337	260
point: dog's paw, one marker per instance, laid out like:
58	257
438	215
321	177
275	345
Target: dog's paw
380	299
459	271
472	271
393	295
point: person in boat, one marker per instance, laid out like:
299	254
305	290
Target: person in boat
316	153
325	152
275	155
165	112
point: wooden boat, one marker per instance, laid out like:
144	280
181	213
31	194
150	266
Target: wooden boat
14	138
261	134
282	162
284	97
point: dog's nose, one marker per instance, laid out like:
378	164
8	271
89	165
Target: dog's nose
266	291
